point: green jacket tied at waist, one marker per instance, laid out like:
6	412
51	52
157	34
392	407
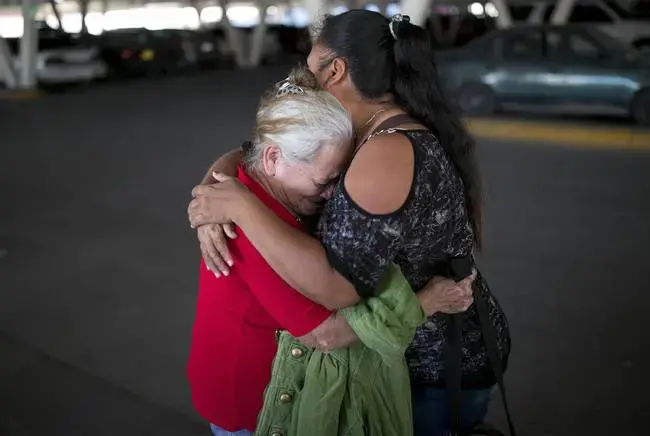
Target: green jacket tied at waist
363	390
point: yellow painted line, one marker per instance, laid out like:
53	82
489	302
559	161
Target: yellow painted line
21	95
582	136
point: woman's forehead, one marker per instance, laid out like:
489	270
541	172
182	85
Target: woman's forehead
318	54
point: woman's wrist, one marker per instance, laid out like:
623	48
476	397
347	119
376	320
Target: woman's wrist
242	206
425	304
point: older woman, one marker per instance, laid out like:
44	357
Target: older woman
302	139
411	196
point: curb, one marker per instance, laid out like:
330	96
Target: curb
559	133
20	95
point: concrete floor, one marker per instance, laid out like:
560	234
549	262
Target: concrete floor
98	281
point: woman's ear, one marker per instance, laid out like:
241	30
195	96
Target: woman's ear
271	158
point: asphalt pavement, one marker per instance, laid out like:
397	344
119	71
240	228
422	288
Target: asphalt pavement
98	265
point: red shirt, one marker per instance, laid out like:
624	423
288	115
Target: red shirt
233	339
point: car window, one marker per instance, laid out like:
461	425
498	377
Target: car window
555	44
574	45
583	47
521	46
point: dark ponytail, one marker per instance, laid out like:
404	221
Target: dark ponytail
396	57
417	89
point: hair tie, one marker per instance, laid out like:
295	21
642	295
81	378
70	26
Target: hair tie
287	87
395	21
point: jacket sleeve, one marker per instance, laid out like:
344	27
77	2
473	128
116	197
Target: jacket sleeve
293	311
386	323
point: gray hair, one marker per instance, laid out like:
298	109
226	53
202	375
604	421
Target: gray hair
299	118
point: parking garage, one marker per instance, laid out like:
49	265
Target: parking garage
98	264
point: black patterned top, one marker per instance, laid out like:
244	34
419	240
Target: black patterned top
430	228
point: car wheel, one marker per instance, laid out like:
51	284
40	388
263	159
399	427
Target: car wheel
477	99
640	110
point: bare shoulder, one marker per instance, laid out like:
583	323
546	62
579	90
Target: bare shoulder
381	174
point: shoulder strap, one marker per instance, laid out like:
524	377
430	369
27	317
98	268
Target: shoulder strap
396	120
389	125
492	350
459	269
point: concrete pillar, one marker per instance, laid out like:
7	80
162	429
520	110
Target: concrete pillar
259	35
536	15
234	37
562	11
504	20
28	46
7	66
418	10
83	11
56	12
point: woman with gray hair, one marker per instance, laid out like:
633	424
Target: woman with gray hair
302	140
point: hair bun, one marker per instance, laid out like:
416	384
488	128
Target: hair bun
303	78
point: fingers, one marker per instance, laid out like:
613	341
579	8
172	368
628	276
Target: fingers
459	306
201	190
213	261
465	285
214	249
206	252
229	230
221	244
195	213
464	304
199	213
220	177
462	297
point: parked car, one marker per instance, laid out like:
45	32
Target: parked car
556	68
70	65
64	65
142	52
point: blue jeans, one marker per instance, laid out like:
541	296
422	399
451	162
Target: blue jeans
216	431
432	411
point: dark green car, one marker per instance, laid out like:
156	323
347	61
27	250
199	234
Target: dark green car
571	69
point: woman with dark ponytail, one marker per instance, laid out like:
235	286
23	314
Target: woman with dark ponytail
411	196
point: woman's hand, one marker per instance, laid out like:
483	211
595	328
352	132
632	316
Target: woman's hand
217	203
442	295
213	237
332	334
214	247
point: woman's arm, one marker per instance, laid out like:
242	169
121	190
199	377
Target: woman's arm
440	295
378	181
226	164
297	257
